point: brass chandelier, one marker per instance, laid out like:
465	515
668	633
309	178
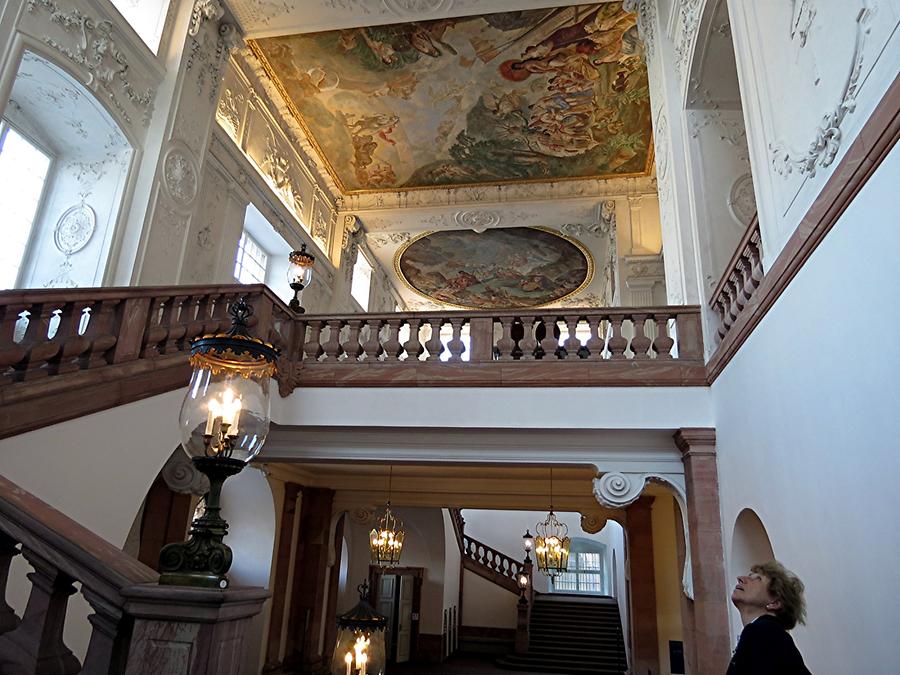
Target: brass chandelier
551	545
386	539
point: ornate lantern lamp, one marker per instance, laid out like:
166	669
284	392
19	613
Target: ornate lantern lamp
528	544
224	421
300	272
360	648
386	538
551	545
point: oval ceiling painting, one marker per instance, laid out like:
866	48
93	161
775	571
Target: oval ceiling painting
498	269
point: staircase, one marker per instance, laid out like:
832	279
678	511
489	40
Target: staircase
572	634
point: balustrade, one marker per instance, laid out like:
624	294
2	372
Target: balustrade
84	350
136	624
742	276
490	563
478	337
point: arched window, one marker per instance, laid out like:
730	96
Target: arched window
588	569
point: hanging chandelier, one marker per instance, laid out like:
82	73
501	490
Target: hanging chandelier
386	539
551	545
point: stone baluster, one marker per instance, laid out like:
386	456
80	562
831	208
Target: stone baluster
220	320
392	347
156	330
331	349
351	347
662	343
311	348
595	342
372	345
549	343
481	339
735	296
640	343
456	345
506	345
433	345
176	324
108	648
196	321
719	308
11	352
528	345
73	345
413	346
102	331
36	644
8	551
572	344
617	343
41	349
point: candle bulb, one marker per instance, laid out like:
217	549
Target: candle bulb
363	660
348	659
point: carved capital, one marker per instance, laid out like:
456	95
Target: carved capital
696	441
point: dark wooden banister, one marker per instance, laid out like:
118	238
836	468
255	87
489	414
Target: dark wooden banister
131	611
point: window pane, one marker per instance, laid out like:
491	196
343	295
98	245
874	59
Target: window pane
591	583
362	280
566	581
23	170
589	561
250	261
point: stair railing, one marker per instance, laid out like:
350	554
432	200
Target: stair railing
491	564
136	622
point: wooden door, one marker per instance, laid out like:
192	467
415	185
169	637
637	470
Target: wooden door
404	618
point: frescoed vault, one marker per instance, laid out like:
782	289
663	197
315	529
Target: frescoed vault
548	95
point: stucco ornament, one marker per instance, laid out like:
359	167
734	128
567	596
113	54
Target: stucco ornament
742	199
93	48
74	229
204	10
180	176
617	490
478	221
181	476
824	147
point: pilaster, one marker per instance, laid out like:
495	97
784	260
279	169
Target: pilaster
644	635
709	606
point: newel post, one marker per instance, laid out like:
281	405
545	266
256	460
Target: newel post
178	629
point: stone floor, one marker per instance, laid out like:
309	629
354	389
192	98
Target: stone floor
458	665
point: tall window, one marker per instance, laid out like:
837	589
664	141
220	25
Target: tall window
23	172
587	573
250	261
362	280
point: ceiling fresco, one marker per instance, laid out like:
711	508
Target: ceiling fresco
529	95
497	269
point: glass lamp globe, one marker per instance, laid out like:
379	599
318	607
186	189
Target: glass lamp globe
299	274
360	647
225	412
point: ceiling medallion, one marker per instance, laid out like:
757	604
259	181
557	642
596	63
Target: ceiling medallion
74	229
503	268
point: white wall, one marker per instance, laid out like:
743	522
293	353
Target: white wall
806	436
451	563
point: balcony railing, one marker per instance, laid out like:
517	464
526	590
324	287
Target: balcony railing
78	351
742	276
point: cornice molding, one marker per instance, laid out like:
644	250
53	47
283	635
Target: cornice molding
696	441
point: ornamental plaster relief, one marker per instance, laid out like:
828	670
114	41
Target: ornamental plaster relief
105	61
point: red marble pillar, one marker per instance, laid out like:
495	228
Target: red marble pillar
710	608
644	636
308	587
282	572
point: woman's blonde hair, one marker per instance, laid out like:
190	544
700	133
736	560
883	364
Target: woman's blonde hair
787	588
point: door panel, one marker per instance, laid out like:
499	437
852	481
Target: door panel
404	624
384	605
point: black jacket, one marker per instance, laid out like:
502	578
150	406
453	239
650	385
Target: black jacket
765	648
